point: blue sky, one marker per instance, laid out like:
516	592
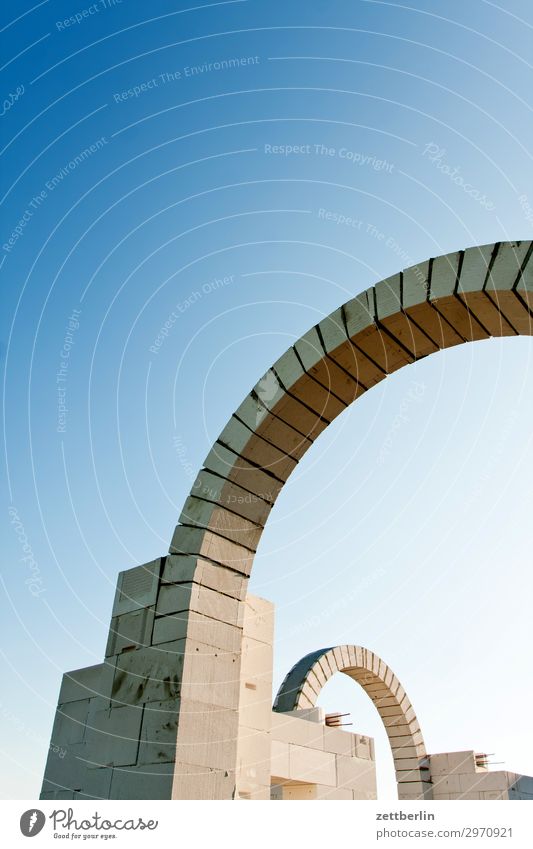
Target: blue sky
181	161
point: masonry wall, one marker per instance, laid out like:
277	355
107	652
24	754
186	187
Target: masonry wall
455	775
312	761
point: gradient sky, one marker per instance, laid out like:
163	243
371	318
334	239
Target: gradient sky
144	176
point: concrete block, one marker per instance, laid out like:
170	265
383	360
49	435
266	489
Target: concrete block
70	722
399	730
207	736
231	526
142	782
349	357
487	314
516	312
310	392
309	693
269	390
258	621
398	743
332	330
200	782
522	784
176	598
81	684
113	737
256	660
439	764
279	759
455	311
359	313
363	747
312	765
259	419
137	587
253	763
483	782
255	696
447	784
410	792
159	732
354	774
415	285
149	674
288	369
338	741
314	682
444	275
461	762
507	263
382	349
211	676
314	714
242	441
187	569
229	465
408	752
287	729
96	784
392	710
199	628
289	409
130	629
66	773
398	323
305	701
225	493
213	547
507	274
387	297
325	370
255	705
337	657
474	272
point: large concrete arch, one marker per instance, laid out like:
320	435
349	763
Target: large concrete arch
302	685
181	684
461	297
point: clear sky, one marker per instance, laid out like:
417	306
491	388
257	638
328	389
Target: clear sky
167	174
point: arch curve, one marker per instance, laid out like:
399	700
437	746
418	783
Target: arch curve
302	686
464	296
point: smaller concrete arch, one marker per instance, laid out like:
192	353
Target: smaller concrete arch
301	689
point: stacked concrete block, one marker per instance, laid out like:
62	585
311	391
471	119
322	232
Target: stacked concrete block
255	701
67	775
457	775
311	761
